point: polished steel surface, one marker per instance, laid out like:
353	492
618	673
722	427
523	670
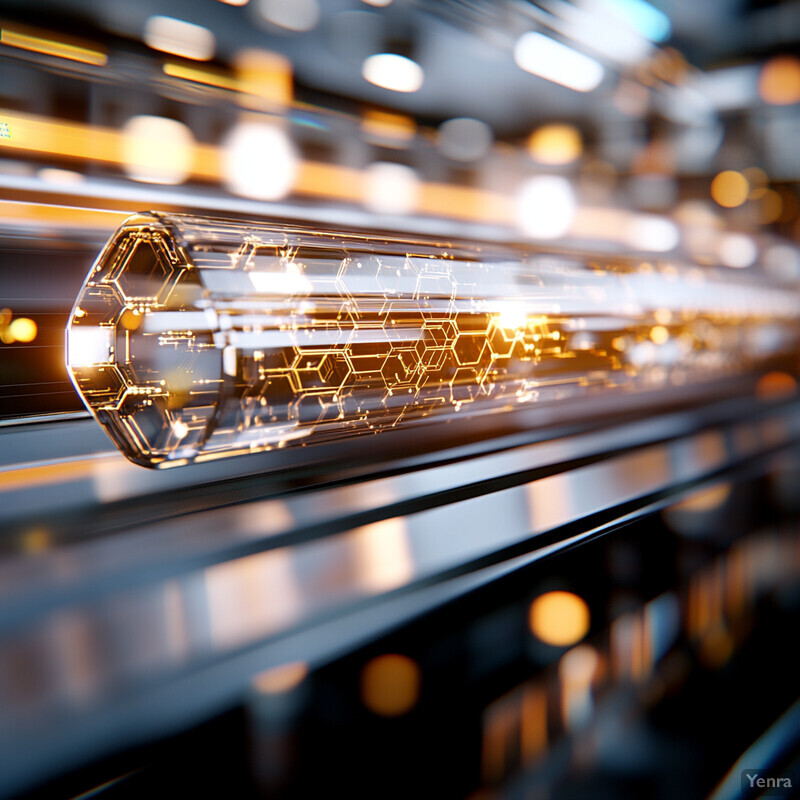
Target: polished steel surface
137	621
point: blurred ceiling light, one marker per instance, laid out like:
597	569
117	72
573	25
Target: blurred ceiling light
293	15
728	88
779	81
545	57
377	3
737	250
235	2
593	24
391	188
729	188
545	206
157	150
464	139
652	233
394	72
259	161
639	15
60	177
555	144
179	38
559	618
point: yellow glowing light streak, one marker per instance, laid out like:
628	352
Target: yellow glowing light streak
205	76
386	125
38	475
38	134
39	213
264	76
464	202
52	47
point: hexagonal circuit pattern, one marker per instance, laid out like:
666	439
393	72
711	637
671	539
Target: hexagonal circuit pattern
194	339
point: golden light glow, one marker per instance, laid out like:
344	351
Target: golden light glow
279	680
659	334
383	554
559	618
705	500
43	215
390	685
23	329
201	75
265	78
730	188
779	81
52	47
389	126
157	150
771	207
555	144
36	540
775	385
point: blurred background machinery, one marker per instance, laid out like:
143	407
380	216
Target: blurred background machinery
596	597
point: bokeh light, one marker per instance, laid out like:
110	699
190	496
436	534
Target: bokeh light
157	150
22	329
390	685
559	618
464	139
737	250
779	81
179	38
259	161
652	233
394	72
555	144
545	206
390	188
729	188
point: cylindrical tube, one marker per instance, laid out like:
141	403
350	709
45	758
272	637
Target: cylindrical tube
198	338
